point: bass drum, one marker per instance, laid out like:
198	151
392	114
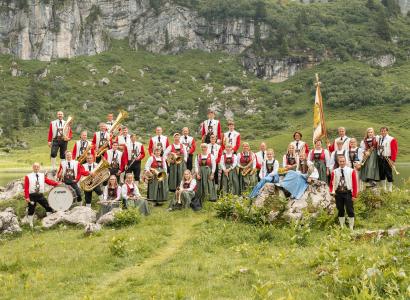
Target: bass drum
61	197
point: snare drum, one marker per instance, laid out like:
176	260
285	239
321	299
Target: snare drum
61	197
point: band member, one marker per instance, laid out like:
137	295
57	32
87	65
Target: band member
112	191
124	139
205	166
56	139
354	159
101	139
232	137
320	158
110	121
247	168
70	173
342	137
157	187
339	151
343	184
34	184
260	158
296	182
158	141
369	171
387	151
268	173
90	166
185	192
291	158
177	156
211	126
117	160
190	145
216	150
81	145
136	154
229	179
131	196
300	146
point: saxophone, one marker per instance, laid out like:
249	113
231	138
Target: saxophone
81	159
101	174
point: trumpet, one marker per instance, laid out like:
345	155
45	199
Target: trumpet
155	174
81	159
67	127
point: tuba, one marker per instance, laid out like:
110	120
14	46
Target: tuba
101	150
115	128
67	127
81	159
155	174
101	174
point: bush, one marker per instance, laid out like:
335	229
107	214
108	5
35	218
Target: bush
126	217
118	246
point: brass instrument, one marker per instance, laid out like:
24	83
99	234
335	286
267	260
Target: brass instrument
391	164
247	169
101	150
81	159
67	127
114	130
367	154
100	174
154	173
174	158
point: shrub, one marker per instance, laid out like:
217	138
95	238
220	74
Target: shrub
126	217
118	246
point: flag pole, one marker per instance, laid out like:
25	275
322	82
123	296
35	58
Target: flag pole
323	124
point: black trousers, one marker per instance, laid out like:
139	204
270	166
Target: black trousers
189	162
40	199
385	170
89	195
216	175
56	145
76	188
344	201
135	168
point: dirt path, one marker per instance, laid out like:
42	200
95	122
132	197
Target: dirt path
182	233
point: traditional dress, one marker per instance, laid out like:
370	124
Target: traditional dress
321	159
34	187
132	198
56	138
79	147
300	146
205	166
229	184
247	181
260	159
158	141
346	143
112	197
370	169
333	162
88	195
117	160
268	173
71	172
157	190
190	145
233	138
290	160
209	127
100	138
187	190
216	150
136	154
355	157
124	139
388	149
176	171
295	182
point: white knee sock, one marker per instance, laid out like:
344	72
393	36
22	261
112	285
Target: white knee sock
88	205
53	163
390	186
383	185
30	220
342	221
351	223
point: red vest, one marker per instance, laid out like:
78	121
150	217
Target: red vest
155	163
181	150
322	155
245	159
208	160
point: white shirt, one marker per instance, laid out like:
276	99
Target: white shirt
105	194
348	178
260	156
198	161
299	145
177	149
264	170
151	160
186	142
33	180
124	191
384	145
332	160
234	161
346	143
124	141
137	146
192	185
230	137
327	156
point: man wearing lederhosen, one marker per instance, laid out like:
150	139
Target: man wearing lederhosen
343	184
100	138
89	166
189	143
34	185
136	154
81	145
158	141
117	160
211	126
387	152
56	139
232	137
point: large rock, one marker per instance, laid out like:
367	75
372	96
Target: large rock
79	215
108	218
316	197
9	222
12	189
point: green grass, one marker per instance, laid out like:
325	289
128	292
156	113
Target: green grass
188	255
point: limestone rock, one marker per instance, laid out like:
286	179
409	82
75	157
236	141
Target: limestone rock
79	215
9	222
92	228
53	219
12	189
104	81
161	111
108	218
116	70
383	61
119	94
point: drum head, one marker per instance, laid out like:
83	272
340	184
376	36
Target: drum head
61	197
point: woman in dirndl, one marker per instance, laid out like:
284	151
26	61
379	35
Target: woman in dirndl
157	185
185	193
369	171
111	195
205	166
173	153
291	158
320	158
229	178
131	196
247	164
